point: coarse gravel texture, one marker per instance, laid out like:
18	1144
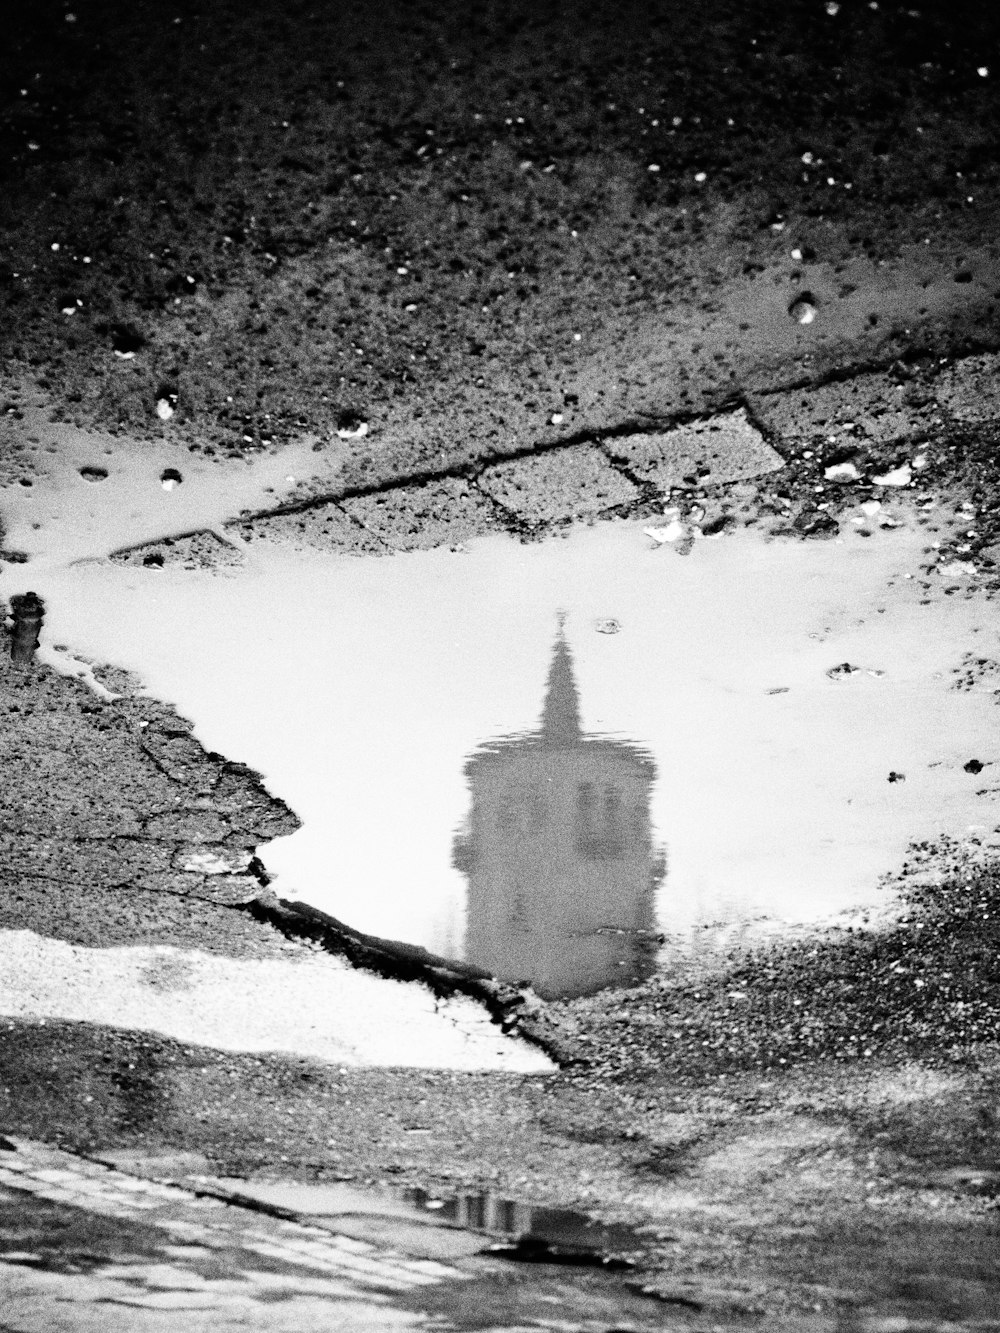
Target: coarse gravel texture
324	526
878	408
107	806
189	550
557	484
970	390
448	511
454	225
711	451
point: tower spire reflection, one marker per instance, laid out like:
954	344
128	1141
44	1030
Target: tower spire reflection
558	852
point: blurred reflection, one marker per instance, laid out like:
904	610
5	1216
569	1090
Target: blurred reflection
558	852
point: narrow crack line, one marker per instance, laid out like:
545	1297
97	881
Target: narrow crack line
135	884
144	839
68	880
505	519
648	492
914	353
157	763
168	539
323	502
770	436
837	375
471	472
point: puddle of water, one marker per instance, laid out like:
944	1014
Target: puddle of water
681	753
84	493
562	1232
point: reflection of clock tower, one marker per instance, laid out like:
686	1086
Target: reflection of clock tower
558	853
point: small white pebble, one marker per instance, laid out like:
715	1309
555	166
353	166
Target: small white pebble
871	507
356	434
796	253
556	419
898	476
164	411
653	166
983	71
842	472
957	569
671	530
701	176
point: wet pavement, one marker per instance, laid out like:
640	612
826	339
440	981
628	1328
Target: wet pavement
500	527
549	760
85	1246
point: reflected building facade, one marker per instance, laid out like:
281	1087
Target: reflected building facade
558	852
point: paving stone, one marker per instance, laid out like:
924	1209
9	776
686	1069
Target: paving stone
437	513
155	1247
325	527
193	550
969	390
710	452
558	484
870	408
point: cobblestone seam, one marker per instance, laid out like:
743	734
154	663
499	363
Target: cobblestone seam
641	464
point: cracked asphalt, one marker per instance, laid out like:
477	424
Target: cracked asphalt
508	267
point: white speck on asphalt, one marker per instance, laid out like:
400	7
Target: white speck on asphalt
842	472
898	476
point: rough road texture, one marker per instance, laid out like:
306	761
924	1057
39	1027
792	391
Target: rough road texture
478	229
521	261
107	808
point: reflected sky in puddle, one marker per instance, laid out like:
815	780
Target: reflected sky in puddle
537	757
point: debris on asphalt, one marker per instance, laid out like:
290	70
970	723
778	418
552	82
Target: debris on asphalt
842	472
897	476
27	612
